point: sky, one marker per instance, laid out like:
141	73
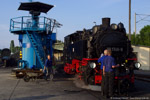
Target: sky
75	15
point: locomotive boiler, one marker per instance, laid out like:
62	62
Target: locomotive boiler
83	48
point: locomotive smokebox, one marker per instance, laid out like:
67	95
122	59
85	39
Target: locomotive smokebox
106	22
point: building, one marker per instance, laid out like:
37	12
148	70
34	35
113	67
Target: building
58	51
143	56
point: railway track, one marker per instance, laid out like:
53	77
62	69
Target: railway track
142	77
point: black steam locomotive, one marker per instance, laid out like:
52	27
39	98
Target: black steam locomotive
83	48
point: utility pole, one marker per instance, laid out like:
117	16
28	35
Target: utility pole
135	28
130	20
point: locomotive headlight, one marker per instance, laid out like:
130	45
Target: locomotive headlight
114	26
92	65
137	65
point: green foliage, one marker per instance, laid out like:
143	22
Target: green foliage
17	48
12	45
145	35
143	38
59	41
14	49
133	38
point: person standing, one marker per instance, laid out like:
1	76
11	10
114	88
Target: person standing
108	72
100	60
48	66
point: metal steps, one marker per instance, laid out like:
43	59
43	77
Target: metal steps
37	48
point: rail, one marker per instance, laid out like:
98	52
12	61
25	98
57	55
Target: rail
26	23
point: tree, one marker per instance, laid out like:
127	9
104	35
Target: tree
14	49
12	46
138	40
17	48
133	38
143	38
59	41
145	35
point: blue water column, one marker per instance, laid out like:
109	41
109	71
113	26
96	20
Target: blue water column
36	32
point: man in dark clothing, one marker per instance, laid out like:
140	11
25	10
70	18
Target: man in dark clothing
100	60
48	66
108	72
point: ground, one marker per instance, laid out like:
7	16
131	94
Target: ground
62	88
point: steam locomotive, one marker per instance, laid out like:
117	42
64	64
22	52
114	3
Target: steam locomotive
83	48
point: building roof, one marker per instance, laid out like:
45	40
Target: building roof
59	46
35	6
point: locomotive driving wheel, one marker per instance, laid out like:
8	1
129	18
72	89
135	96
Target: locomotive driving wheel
26	78
123	87
91	80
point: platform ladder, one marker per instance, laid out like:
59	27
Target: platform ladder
40	46
36	47
48	44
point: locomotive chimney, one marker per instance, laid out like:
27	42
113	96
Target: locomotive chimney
106	22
